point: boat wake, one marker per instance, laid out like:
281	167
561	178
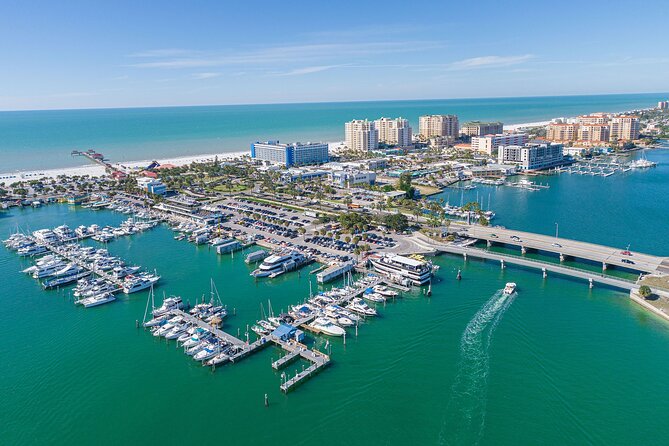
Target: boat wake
465	413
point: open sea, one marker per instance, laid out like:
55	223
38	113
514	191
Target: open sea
556	364
31	140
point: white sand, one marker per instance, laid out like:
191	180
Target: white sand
96	170
516	127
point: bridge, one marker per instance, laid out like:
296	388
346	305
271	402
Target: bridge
562	247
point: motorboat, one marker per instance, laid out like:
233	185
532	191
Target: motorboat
384	291
326	326
280	263
510	288
132	284
96	300
359	306
169	304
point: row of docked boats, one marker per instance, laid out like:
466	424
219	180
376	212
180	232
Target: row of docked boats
331	312
199	340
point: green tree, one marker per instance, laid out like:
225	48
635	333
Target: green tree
645	291
398	222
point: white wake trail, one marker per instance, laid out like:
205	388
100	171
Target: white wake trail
465	415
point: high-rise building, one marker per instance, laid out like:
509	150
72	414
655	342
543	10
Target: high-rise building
624	127
478	128
430	126
663	105
531	156
395	132
361	135
489	143
295	154
561	132
594	118
594	132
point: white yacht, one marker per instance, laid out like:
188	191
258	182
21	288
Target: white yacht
417	272
384	291
359	306
171	303
48	270
374	297
96	300
326	326
132	284
510	288
278	263
32	250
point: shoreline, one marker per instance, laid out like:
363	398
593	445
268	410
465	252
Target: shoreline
95	170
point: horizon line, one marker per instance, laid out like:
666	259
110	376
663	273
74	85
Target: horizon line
241	104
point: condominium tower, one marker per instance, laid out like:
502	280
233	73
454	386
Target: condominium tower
430	126
394	131
361	135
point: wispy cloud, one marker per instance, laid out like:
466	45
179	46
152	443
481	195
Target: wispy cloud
308	70
207	75
488	62
164	52
266	56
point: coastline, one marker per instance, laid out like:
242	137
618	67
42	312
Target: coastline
95	170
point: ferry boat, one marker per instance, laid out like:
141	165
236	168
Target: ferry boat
417	272
510	288
279	263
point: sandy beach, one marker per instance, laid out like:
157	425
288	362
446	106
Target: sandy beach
516	127
96	170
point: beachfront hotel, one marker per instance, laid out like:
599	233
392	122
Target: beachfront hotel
531	156
361	135
430	126
294	154
624	127
594	118
395	132
488	144
478	128
663	105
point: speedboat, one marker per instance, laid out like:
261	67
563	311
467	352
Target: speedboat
326	326
176	331
384	291
207	352
359	306
200	335
374	297
156	321
510	288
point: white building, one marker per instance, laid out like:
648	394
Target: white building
396	132
531	156
151	185
361	135
489	143
295	154
350	177
430	126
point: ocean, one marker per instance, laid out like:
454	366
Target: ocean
31	140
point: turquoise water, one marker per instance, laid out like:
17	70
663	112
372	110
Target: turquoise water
557	364
620	210
44	139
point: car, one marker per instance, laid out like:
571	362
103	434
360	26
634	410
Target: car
626	253
628	261
493	236
557	245
515	237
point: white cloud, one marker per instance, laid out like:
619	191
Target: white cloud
308	70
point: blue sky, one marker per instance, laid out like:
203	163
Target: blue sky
76	54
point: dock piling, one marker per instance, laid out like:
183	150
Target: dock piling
266	401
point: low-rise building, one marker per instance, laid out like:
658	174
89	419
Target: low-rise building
189	208
294	154
531	156
488	144
291	175
350	177
151	185
492	171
